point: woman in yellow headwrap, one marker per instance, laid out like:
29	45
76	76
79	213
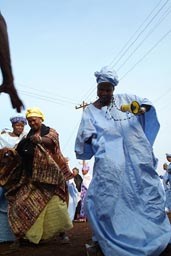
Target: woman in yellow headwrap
38	200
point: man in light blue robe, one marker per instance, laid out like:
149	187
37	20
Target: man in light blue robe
125	200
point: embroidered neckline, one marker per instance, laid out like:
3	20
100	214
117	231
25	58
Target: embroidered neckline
109	116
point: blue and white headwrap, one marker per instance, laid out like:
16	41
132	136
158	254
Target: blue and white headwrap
106	75
16	119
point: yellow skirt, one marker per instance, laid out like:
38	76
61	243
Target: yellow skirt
53	219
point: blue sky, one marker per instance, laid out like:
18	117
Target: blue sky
57	45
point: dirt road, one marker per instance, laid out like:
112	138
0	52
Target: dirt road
79	235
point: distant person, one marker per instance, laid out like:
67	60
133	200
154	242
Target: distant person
7	85
73	198
84	187
9	139
78	181
166	186
125	200
168	157
165	177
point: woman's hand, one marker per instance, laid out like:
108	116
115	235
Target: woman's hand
142	111
36	139
144	108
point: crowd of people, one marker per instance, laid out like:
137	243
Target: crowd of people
33	179
123	201
40	196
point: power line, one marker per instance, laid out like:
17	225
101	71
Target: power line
83	106
46	98
134	34
57	97
163	95
63	100
123	50
149	34
71	135
147	53
139	34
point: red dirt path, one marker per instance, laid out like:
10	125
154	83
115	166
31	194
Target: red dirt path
79	235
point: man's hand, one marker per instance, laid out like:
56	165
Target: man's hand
15	100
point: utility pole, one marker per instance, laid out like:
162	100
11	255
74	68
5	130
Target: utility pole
83	106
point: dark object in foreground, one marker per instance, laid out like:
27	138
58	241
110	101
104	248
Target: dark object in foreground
6	68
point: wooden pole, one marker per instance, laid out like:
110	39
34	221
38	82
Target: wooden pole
83	106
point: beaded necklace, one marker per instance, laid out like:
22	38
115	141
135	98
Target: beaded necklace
109	116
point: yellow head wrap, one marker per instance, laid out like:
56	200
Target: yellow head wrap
34	112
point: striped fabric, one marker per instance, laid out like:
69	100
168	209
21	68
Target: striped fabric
53	219
29	196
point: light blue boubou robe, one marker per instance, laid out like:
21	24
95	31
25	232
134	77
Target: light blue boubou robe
125	201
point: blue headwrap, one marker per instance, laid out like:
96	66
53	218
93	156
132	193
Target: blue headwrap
168	155
106	75
17	119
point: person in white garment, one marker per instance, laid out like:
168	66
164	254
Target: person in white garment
9	139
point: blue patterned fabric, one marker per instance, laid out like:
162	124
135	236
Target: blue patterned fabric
16	119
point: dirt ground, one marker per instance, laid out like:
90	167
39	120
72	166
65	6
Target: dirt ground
79	236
